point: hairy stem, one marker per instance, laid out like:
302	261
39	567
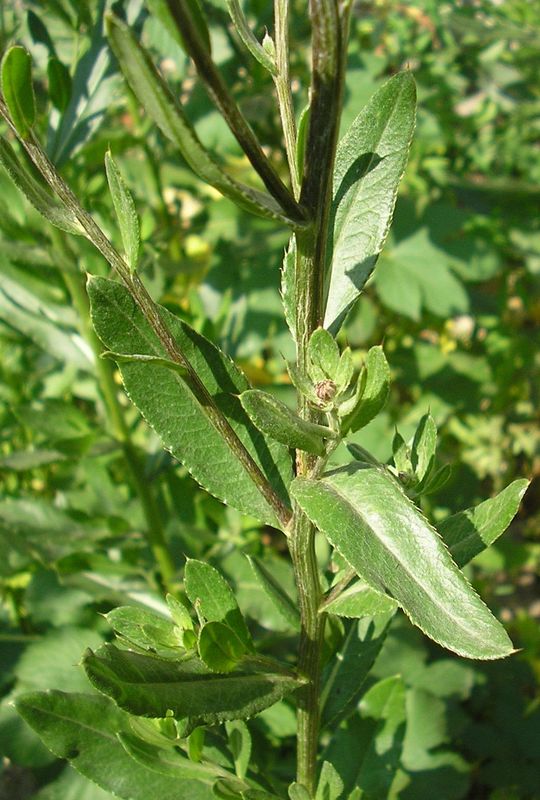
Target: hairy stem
154	532
311	245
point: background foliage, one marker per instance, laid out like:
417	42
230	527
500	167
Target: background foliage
454	298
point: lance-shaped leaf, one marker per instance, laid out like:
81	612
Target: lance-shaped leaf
159	103
323	352
276	420
424	447
126	212
330	785
383	536
288	291
373	394
146	630
17	88
360	600
344	678
275	592
170	407
214	599
370	161
47	205
149	686
239	745
471	531
84	728
60	83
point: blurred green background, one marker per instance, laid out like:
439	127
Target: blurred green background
454	298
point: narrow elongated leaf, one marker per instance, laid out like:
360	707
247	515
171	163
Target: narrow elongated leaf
374	394
370	161
471	531
345	677
169	406
360	600
288	291
148	686
276	420
424	446
214	599
126	212
246	34
384	537
274	591
159	103
47	205
16	75
83	728
60	84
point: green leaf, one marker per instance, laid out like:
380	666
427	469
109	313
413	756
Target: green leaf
47	205
126	358
366	516
159	103
149	686
401	454
276	594
375	394
471	531
146	630
83	729
214	599
276	420
360	600
246	34
239	745
219	647
323	352
17	88
370	161
126	212
298	791
60	85
169	406
330	785
344	678
377	735
424	447
345	370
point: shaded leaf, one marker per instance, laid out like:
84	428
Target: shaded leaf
219	647
276	420
239	745
150	686
59	83
360	600
373	397
84	729
275	592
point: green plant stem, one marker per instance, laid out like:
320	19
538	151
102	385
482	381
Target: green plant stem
282	83
311	244
230	111
154	532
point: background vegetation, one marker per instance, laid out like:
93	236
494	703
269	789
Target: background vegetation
454	298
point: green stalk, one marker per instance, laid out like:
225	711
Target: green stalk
154	532
311	244
282	83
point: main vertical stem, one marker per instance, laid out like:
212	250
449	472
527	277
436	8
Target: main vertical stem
311	245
